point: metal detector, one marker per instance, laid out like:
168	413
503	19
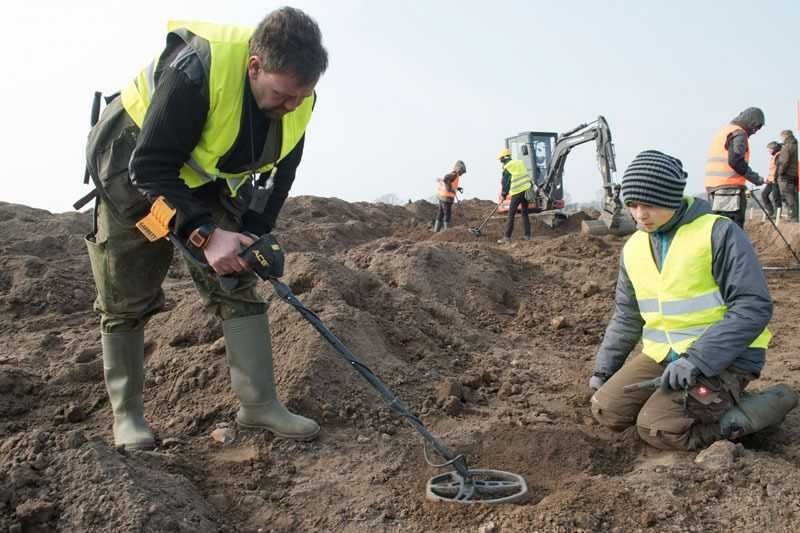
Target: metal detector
477	230
462	485
789	246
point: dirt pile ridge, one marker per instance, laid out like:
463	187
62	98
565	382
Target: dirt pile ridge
491	345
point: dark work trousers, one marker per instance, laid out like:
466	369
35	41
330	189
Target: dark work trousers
445	211
517	200
789	196
771	194
737	215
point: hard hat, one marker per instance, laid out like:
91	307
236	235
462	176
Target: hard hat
772	145
505	152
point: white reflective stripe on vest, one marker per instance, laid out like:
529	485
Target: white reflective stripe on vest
150	78
698	303
679	307
676	336
648	305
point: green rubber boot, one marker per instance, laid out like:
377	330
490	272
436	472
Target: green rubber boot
247	341
758	411
123	369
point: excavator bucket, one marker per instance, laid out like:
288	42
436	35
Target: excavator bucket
615	224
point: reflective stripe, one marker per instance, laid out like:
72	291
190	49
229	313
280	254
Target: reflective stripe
680	335
698	303
676	336
717	160
149	77
654	335
648	305
720	173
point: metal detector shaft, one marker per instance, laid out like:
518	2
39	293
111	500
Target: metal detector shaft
477	231
395	404
648	384
755	197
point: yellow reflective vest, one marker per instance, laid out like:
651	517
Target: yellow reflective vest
224	51
681	301
520	177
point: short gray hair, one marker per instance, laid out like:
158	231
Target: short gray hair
290	42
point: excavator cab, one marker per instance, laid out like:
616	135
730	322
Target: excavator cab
535	149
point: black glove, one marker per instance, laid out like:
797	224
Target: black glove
679	374
460	189
265	257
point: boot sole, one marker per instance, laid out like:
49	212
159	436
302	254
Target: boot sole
302	438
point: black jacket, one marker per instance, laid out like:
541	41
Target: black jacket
751	120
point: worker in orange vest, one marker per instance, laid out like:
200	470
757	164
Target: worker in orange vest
772	191
447	187
728	165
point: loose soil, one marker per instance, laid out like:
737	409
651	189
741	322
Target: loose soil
492	345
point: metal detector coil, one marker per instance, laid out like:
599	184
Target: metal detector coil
482	486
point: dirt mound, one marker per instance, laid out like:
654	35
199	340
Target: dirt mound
771	248
491	345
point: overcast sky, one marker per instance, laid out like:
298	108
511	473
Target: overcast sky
413	86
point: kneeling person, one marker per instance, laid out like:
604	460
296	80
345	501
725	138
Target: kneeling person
691	288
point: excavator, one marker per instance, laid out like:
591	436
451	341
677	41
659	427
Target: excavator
545	154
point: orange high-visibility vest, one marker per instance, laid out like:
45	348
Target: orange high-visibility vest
443	193
773	167
718	171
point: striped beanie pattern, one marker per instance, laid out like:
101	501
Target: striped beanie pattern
654	178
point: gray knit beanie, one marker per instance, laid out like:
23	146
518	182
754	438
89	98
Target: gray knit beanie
654	178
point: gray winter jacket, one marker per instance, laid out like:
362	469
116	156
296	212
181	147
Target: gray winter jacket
741	281
751	120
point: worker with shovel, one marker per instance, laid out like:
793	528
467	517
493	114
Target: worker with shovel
203	144
691	288
448	187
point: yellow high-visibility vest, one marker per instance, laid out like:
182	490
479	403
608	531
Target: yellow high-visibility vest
224	51
520	177
681	301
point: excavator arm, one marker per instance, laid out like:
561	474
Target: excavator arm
613	218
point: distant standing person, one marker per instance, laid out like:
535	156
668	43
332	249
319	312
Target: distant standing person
516	180
448	185
787	173
728	165
772	192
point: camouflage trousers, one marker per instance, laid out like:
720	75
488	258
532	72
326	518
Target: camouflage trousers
673	420
129	271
